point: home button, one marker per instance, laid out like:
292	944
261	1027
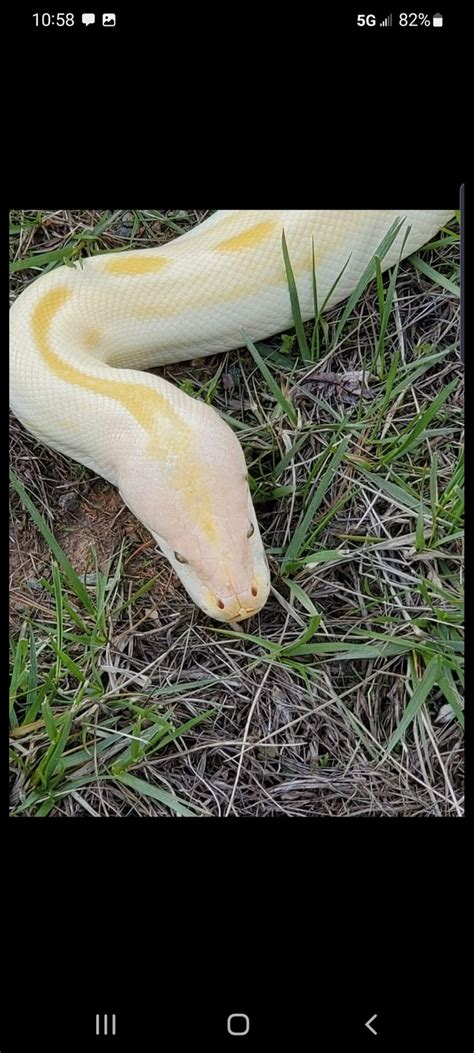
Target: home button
238	1024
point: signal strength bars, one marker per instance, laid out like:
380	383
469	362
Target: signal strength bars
386	21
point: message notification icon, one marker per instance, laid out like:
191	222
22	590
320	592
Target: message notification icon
88	20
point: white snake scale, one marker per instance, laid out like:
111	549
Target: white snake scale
81	335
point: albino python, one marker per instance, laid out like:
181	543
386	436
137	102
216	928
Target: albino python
79	335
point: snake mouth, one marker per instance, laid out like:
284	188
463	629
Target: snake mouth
239	607
239	614
244	614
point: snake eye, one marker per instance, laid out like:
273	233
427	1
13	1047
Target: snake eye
180	558
251	530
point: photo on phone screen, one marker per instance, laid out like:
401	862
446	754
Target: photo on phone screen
236	534
241	571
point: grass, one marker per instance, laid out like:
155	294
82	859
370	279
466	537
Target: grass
345	695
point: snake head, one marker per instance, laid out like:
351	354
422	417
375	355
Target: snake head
224	570
191	491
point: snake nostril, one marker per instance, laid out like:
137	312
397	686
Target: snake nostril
221	605
254	590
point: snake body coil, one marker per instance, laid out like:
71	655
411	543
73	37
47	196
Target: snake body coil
81	335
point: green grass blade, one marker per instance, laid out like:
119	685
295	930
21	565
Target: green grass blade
74	581
55	256
419	425
287	408
49	721
32	693
52	760
157	794
447	686
19	673
314	352
381	252
385	303
295	304
301	531
396	493
46	689
303	598
59	617
419	696
435	276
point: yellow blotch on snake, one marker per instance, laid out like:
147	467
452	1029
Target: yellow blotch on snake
249	239
190	480
129	265
141	401
91	337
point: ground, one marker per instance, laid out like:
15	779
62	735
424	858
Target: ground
344	696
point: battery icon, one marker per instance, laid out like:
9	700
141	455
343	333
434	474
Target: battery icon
437	20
